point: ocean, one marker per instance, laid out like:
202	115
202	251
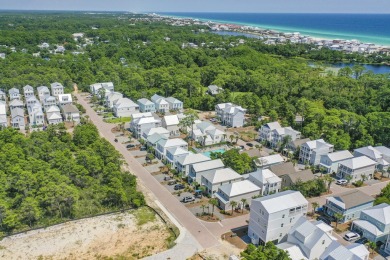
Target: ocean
367	28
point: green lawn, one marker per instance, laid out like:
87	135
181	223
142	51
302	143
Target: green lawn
118	120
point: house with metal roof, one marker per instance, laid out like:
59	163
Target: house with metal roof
17	118
174	153
356	167
161	105
28	91
53	115
236	191
125	107
164	144
379	154
331	161
57	89
183	163
111	98
3	114
171	123
307	240
36	116
143	122
43	92
16	103
48	102
349	204
14	94
265	131
71	113
207	134
278	136
153	139
145	105
198	169
218	177
230	114
64	99
374	223
336	251
159	130
293	146
267	161
268	182
273	216
311	151
107	86
214	90
174	104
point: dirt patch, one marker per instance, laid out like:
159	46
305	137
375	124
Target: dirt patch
234	239
118	235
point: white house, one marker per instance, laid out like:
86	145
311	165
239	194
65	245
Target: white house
64	99
268	181
17	118
174	104
153	139
155	130
145	105
230	115
43	92
214	90
161	105
28	91
268	161
380	154
207	134
36	115
16	103
349	204
198	169
3	115
2	95
163	145
183	163
48	102
14	94
374	223
171	123
265	131
356	167
111	98
53	115
236	191
311	151
218	177
125	107
56	89
307	240
272	217
107	86
71	113
331	161
31	101
142	122
279	134
350	252
173	154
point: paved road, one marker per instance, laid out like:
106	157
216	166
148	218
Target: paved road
184	217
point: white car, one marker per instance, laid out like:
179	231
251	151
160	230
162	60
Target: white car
351	236
341	182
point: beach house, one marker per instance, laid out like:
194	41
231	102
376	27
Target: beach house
358	168
28	91
218	177
331	161
145	105
311	151
230	115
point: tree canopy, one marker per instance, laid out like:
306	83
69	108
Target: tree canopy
266	252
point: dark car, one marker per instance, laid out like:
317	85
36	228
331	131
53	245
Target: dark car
325	220
178	187
115	140
130	146
249	144
170	183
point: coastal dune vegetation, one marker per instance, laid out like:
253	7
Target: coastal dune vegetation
350	109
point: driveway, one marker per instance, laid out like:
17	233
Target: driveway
205	236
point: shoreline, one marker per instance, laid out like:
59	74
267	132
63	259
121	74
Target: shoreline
317	35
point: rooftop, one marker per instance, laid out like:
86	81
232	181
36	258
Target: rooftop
350	199
340	155
282	201
370	152
171	120
192	159
283	168
238	188
358	162
221	175
380	212
208	165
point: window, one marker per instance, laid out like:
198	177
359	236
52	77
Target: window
280	235
283	216
323	241
282	225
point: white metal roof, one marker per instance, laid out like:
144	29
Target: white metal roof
370	152
268	160
221	175
2	109
273	125
281	201
265	175
380	212
158	130
238	188
358	162
172	142
139	115
171	120
208	165
340	155
192	159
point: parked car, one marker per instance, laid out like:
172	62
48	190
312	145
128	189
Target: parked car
362	240
325	220
115	140
249	144
178	187
351	236
142	148
198	194
188	199
130	146
170	183
167	178
341	182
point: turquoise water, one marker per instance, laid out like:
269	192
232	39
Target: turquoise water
368	28
214	151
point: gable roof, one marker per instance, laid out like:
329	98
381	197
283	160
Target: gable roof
358	162
281	201
221	175
16	103
140	115
171	120
173	100
264	176
273	125
145	102
383	150
61	97
238	188
379	212
172	142
155	138
270	159
70	108
208	165
53	109
28	88
43	88
350	199
125	102
192	159
370	152
283	168
177	151
13	91
158	130
299	142
56	85
304	176
213	88
316	144
17	112
340	155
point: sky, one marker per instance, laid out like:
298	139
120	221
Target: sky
252	6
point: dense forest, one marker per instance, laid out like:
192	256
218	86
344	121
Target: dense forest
350	109
51	176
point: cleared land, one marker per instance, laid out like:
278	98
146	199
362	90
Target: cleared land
130	235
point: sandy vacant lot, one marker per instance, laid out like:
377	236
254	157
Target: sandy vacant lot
117	236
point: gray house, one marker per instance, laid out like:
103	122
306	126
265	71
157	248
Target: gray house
356	167
216	178
17	118
331	161
214	90
311	151
349	204
174	104
43	92
230	115
28	91
13	94
16	103
380	154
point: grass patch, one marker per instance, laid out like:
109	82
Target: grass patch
144	215
118	120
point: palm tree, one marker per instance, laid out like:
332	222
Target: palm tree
315	205
243	201
328	179
233	204
348	178
231	137
237	137
213	202
338	217
203	207
372	246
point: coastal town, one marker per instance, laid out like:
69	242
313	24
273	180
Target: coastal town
228	170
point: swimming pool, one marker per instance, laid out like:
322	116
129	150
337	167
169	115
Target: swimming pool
214	151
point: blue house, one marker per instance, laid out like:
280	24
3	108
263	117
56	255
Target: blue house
145	105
